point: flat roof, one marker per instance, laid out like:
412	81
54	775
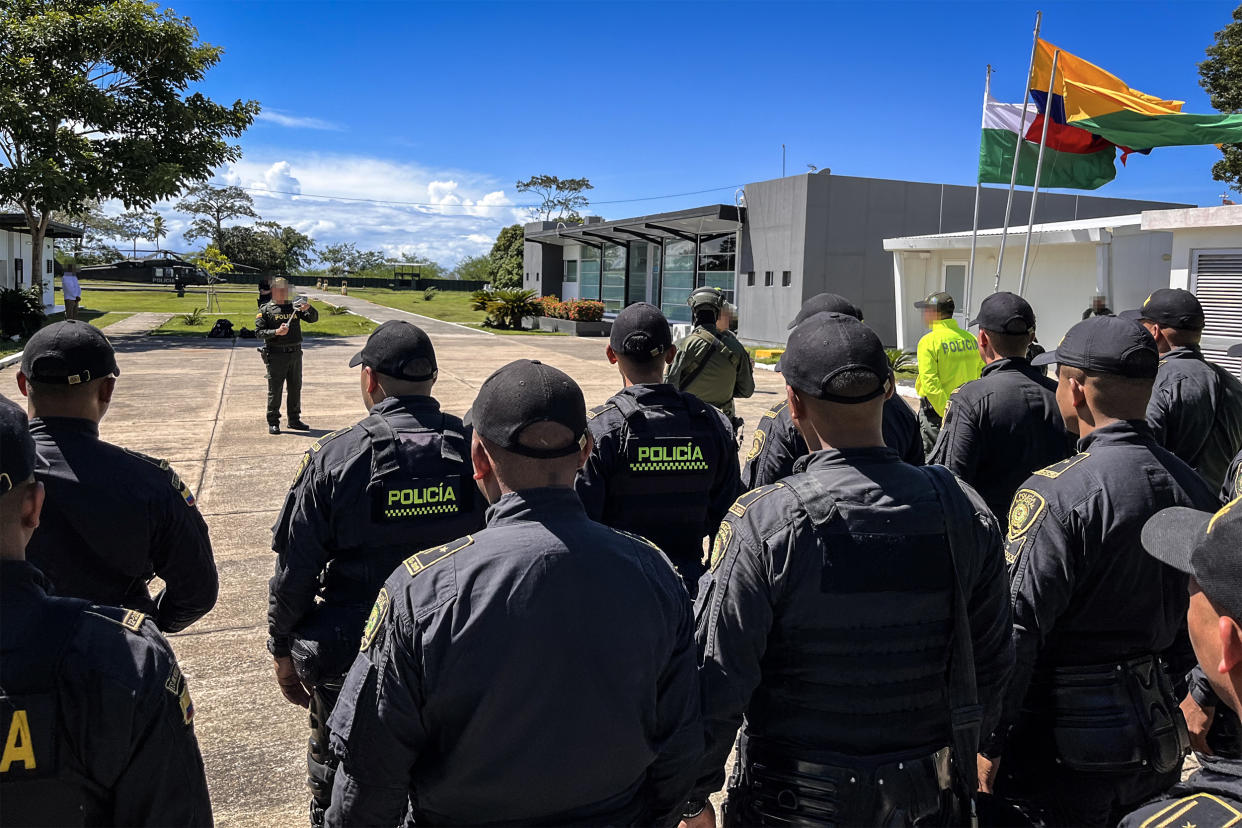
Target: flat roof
16	223
1226	215
698	221
1056	232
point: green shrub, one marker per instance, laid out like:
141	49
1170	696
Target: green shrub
902	362
337	310
505	308
430	293
193	319
21	311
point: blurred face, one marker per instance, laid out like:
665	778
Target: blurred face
280	294
930	315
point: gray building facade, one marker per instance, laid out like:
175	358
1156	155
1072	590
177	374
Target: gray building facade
792	238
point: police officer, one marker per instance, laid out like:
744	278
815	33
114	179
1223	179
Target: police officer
1232	485
834	599
1090	725
1205	547
712	364
279	325
540	671
776	444
362	498
664	464
1196	406
1002	427
948	357
115	519
96	721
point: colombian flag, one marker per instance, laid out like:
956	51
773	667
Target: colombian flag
1073	157
1085	96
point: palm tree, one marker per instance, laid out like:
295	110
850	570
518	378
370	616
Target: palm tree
158	230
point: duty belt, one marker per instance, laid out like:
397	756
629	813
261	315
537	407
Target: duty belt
283	349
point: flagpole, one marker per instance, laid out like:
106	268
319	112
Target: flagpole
1017	153
974	233
1039	164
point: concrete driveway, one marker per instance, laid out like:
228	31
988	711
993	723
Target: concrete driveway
200	403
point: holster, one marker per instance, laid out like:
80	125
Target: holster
1117	717
929	411
325	644
262	354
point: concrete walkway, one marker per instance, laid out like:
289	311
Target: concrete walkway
139	324
200	403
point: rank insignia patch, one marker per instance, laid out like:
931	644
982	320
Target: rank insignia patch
1026	508
1057	469
721	544
133	620
375	620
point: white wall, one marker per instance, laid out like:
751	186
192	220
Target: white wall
17	246
1187	241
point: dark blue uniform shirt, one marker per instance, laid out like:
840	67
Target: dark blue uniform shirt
1196	412
1210	798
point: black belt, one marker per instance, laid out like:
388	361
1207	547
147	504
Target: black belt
283	349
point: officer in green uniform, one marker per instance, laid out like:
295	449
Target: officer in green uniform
712	364
279	325
948	357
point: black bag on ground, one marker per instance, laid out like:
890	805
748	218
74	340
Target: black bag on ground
223	329
246	333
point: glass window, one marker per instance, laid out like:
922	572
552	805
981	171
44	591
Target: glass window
750	278
786	278
588	273
678	279
717	263
767	278
638	273
955	281
571	271
612	277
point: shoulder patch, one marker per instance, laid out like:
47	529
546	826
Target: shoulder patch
599	409
127	618
756	444
173	478
720	545
379	614
177	685
419	561
322	441
1057	469
133	620
775	411
1026	508
1201	809
749	499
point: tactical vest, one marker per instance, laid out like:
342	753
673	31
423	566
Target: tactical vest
40	780
662	487
714	377
420	494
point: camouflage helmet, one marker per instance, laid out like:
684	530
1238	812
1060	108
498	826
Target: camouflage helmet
711	297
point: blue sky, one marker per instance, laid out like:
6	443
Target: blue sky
450	103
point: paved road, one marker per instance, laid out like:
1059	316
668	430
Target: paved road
200	403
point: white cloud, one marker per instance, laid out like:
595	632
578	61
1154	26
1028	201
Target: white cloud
275	116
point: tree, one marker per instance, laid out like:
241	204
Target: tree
135	225
295	249
250	247
94	104
562	195
100	229
214	262
506	258
473	269
158	230
1221	77
339	257
365	260
213	206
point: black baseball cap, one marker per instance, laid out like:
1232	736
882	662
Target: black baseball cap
1106	345
17	448
521	394
939	300
68	353
1171	308
1203	545
1006	313
825	303
398	349
640	332
829	344
1234	350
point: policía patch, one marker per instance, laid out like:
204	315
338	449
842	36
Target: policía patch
666	454
1026	508
379	612
724	536
417	499
756	445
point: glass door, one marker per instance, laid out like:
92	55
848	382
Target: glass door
569	285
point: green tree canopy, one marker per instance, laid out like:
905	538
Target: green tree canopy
211	206
1221	76
135	225
562	196
506	258
267	246
296	249
473	268
95	103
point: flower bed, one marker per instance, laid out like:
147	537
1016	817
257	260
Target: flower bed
581	317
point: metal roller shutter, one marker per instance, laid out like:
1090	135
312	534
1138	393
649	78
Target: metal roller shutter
1216	278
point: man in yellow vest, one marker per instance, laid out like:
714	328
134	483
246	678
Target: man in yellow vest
948	357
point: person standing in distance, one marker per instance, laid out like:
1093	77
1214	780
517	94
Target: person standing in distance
114	519
72	290
279	325
834	600
1196	406
1099	307
948	357
1091	726
664	464
777	445
1002	427
96	721
361	499
711	364
540	671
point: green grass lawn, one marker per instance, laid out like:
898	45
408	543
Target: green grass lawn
346	324
167	301
448	306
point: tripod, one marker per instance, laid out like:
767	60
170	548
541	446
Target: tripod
212	298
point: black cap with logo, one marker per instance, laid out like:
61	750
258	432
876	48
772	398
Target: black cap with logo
830	344
1171	308
825	303
17	448
1106	345
521	394
640	332
400	350
939	300
68	353
1005	313
1205	546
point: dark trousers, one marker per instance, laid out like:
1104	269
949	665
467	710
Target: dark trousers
284	370
929	425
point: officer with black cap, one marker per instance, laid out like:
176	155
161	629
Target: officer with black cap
777	445
1196	406
1091	725
99	540
279	325
540	671
362	497
1205	547
709	363
948	357
664	464
835	599
96	721
1005	425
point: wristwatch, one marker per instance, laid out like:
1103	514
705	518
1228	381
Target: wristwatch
693	808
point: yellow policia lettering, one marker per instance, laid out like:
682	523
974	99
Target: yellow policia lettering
674	454
418	497
18	745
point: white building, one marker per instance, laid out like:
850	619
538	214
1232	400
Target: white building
17	262
1123	257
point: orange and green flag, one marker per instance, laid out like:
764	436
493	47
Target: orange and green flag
1087	97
